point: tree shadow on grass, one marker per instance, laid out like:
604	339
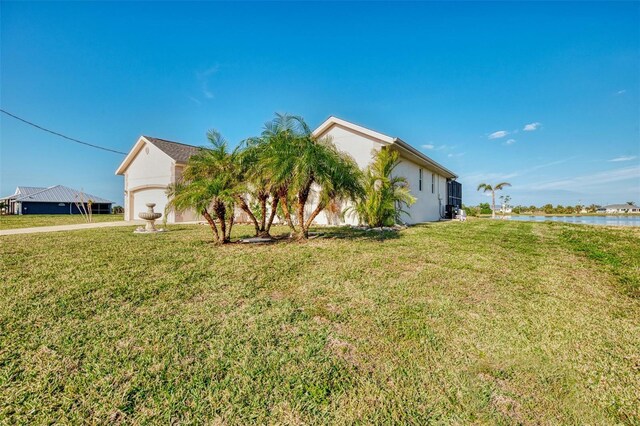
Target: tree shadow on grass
349	233
282	236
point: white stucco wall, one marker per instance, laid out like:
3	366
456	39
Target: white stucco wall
429	204
359	146
150	166
146	178
427	208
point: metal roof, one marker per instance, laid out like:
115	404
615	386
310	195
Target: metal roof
180	152
26	190
620	206
59	194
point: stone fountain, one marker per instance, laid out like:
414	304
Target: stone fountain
150	216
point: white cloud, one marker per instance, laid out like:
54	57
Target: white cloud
455	155
621	92
531	127
587	181
206	92
510	142
623	158
499	134
433	147
203	77
488	177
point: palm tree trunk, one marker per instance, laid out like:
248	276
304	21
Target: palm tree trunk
312	216
303	195
493	204
220	209
245	208
228	236
287	213
263	209
272	215
212	224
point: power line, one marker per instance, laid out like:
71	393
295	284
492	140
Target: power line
61	135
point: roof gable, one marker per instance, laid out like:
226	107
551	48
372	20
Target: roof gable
177	152
405	149
333	121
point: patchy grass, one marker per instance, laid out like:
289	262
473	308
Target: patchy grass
480	322
617	251
33	220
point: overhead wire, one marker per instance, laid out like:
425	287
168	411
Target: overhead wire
60	134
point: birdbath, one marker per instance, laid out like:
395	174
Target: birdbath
150	216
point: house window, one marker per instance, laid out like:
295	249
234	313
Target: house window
433	183
420	180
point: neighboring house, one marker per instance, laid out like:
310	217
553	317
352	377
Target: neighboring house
54	200
153	164
504	209
619	208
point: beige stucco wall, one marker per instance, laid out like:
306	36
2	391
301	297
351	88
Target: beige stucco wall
359	146
428	206
146	179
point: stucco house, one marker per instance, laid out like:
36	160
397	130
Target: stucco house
57	199
149	168
153	164
619	209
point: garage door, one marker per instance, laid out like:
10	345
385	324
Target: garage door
144	196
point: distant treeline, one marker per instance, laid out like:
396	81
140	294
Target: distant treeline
485	208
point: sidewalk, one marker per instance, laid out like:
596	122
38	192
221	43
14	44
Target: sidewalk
57	228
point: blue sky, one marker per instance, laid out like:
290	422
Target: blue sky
543	95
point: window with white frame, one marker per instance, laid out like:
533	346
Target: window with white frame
420	180
433	183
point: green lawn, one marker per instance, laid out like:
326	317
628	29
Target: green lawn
32	220
484	322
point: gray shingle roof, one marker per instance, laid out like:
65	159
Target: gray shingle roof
620	206
180	152
60	194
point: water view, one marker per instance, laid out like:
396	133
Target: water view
585	220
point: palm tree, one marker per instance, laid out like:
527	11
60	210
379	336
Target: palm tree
485	187
210	184
256	186
303	168
384	195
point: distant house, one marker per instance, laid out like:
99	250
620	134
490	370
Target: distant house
56	199
153	164
504	209
619	208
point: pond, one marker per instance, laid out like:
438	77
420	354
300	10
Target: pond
612	220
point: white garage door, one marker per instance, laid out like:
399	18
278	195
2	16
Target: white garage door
142	197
